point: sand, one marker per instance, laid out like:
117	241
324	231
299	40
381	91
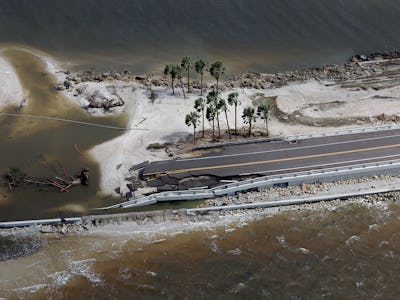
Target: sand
11	92
162	120
318	100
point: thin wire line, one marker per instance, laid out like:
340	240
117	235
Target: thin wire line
69	121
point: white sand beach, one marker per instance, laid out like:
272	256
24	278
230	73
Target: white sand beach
11	92
161	120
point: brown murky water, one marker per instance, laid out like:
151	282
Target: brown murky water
347	253
38	147
350	252
248	35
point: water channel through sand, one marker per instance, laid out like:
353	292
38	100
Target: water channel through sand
38	147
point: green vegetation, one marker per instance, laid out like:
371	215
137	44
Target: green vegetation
180	77
224	107
233	99
200	106
200	66
263	112
212	100
192	119
249	116
217	69
174	71
213	105
187	64
210	115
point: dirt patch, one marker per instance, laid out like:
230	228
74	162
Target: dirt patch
326	106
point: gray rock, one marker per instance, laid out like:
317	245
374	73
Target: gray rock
67	84
131	187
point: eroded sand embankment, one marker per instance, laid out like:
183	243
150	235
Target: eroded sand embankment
304	107
159	224
11	92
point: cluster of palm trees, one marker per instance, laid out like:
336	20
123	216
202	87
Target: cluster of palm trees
216	70
211	109
250	115
213	105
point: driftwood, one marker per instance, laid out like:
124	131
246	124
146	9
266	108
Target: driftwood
12	182
62	180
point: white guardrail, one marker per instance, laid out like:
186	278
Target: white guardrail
295	137
261	182
27	223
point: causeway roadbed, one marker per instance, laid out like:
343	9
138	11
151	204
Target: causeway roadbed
278	158
333	190
228	209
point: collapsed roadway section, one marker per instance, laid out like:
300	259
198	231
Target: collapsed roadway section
288	155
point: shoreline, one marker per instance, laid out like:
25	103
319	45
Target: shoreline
184	220
304	105
11	92
301	101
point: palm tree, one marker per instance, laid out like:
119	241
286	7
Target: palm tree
199	66
200	105
233	99
217	69
180	76
192	119
249	117
174	71
212	98
223	106
210	115
187	64
263	112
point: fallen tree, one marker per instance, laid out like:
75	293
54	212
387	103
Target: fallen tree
62	180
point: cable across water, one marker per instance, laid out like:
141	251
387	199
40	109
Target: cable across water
69	121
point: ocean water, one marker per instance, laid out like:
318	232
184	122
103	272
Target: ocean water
249	35
346	253
350	252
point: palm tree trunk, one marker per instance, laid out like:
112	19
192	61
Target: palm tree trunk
188	83
183	90
227	124
219	129
194	134
201	84
266	125
173	91
250	128
235	119
203	120
213	130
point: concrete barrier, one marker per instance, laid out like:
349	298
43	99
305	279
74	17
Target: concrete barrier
278	203
295	137
161	215
322	175
27	223
234	143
